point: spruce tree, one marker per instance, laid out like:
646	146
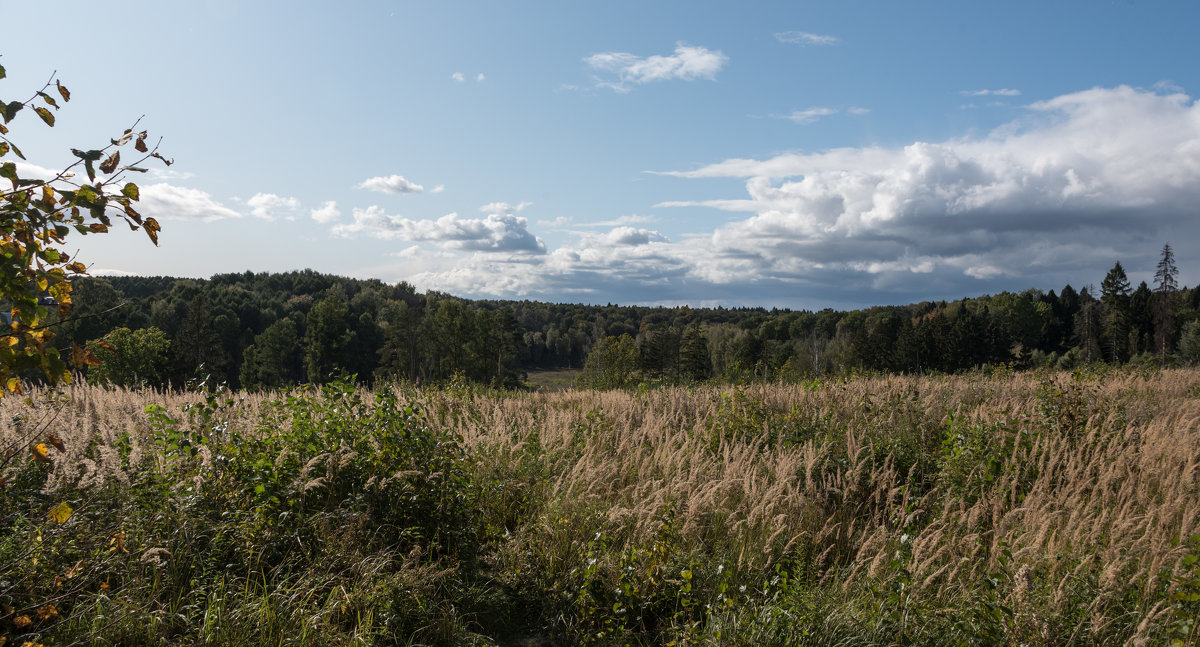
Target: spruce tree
1165	288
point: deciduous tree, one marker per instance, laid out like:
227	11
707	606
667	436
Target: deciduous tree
37	217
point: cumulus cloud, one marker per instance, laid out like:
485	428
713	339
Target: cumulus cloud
391	184
1080	181
479	77
622	69
327	213
633	236
458	76
497	232
1107	166
169	202
268	206
805	38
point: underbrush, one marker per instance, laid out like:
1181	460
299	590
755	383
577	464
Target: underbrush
1026	509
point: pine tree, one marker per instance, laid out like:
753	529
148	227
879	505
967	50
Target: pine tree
1114	294
1165	288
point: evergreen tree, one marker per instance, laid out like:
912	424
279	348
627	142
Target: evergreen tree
272	361
198	346
1165	288
1088	327
695	360
328	336
1114	295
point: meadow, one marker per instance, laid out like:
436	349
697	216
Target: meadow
1005	508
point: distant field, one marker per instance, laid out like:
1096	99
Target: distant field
553	381
1036	509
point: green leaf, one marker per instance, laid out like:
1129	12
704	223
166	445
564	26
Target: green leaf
87	156
135	169
9	170
91	170
2	72
3	149
17	151
48	99
46	115
130	191
10	110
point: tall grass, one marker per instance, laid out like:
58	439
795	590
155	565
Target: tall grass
1021	509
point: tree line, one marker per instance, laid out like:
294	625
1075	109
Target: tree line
272	330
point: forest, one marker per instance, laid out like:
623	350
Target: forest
273	330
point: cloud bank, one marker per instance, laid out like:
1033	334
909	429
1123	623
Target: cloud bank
1081	181
497	232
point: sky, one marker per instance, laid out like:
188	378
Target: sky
779	154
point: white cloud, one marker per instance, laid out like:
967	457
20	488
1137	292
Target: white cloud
391	184
438	189
687	63
807	116
558	223
327	213
856	110
633	236
497	232
1106	165
168	202
25	170
1003	92
268	205
805	38
631	219
504	207
1082	180
458	76
479	77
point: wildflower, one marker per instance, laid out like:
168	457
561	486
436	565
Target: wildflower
47	612
20	622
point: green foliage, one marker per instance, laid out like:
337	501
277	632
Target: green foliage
130	358
344	503
37	216
612	364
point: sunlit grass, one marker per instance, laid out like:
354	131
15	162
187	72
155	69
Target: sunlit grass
1035	509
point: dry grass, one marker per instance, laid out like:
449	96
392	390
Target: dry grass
1071	499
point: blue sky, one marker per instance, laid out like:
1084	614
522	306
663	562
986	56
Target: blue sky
793	154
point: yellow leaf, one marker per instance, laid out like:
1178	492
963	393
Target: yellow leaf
61	512
14	385
47	612
40	453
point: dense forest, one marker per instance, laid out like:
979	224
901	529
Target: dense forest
256	330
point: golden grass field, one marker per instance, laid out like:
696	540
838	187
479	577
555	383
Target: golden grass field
1020	509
